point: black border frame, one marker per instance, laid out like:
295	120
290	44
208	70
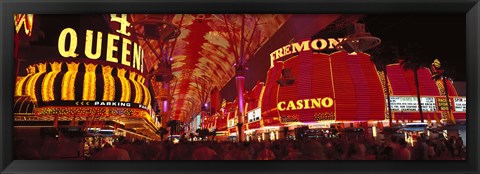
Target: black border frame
471	9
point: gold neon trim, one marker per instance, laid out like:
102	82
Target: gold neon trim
89	82
333	89
30	91
381	77
19	89
390	90
278	92
261	96
48	81
109	84
441	88
68	81
147	99
126	91
136	85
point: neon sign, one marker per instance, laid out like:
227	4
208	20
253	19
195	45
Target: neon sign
460	104
25	20
254	115
118	49
326	102
443	105
317	44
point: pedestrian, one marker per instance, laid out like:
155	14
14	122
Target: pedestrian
266	153
110	153
403	153
204	152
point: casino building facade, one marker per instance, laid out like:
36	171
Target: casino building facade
334	92
99	95
79	86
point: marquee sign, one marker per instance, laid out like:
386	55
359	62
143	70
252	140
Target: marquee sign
410	104
460	104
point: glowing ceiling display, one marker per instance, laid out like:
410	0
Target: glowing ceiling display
205	52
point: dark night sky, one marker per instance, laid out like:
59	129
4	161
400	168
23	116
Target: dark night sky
441	36
438	36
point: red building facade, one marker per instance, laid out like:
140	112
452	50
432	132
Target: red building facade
322	90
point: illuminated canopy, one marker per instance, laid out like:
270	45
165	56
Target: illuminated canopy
205	51
83	84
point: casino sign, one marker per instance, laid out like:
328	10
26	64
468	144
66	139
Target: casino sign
102	77
321	87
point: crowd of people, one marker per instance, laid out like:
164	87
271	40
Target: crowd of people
319	149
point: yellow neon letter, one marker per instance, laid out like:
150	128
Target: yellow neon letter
280	107
306	104
299	104
327	102
137	56
125	51
279	53
89	45
272	59
316	103
111	48
291	106
333	42
286	50
296	47
323	43
73	43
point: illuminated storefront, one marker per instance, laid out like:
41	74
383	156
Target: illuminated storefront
94	78
403	96
231	125
254	127
331	92
328	88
